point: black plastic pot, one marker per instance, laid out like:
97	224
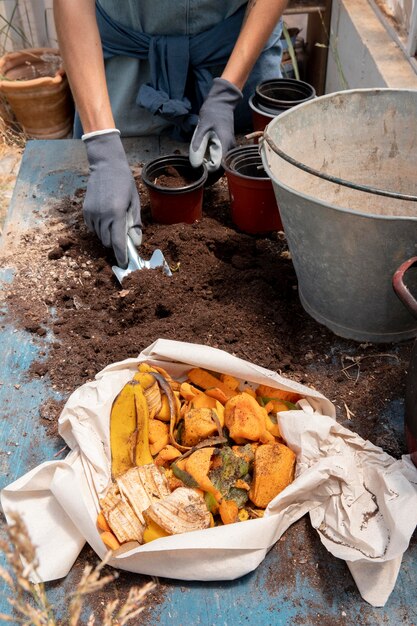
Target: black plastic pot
273	97
283	93
253	205
169	204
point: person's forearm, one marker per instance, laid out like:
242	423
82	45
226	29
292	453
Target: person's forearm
80	47
260	20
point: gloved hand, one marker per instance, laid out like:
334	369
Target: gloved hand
111	206
214	133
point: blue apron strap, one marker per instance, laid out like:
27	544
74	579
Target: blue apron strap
171	57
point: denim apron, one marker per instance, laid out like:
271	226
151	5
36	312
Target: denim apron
160	62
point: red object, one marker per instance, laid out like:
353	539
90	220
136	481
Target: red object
260	119
172	205
410	409
253	205
172	208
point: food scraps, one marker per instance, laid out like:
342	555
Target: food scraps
192	455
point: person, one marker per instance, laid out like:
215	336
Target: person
141	67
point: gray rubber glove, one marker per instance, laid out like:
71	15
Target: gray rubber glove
214	134
111	206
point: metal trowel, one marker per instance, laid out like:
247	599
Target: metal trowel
137	263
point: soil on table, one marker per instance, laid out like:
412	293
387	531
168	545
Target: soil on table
229	290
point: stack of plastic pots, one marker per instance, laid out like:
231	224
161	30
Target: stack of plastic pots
253	206
273	97
180	201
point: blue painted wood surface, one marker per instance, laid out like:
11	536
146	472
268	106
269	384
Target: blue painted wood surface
299	582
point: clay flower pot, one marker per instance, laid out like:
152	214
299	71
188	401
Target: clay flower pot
34	84
253	206
273	97
175	189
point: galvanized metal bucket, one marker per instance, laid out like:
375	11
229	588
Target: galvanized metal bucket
343	168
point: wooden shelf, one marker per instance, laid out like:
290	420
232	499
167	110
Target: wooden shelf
305	6
316	37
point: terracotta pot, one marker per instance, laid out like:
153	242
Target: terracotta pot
175	189
253	206
36	88
273	97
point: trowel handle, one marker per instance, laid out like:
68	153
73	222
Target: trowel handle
133	255
401	289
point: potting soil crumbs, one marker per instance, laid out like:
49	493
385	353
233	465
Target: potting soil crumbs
228	290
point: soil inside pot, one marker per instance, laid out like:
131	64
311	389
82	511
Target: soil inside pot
173	179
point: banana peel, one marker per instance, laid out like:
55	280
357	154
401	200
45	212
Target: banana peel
129	429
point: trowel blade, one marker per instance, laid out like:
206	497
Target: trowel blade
137	263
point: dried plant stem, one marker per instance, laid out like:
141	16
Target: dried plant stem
29	600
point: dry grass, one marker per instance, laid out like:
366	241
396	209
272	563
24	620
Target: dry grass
29	601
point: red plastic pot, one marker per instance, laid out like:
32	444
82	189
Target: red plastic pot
253	206
175	189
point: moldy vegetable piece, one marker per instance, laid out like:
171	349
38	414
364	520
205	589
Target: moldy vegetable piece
183	476
273	471
246	452
198	465
227	469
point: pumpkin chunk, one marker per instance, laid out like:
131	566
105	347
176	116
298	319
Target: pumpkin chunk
273	471
199	424
265	391
245	418
205	380
157	429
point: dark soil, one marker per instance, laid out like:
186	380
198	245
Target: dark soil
172	179
229	290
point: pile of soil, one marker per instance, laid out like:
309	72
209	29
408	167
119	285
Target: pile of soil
229	290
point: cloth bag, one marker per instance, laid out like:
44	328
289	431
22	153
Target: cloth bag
362	502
